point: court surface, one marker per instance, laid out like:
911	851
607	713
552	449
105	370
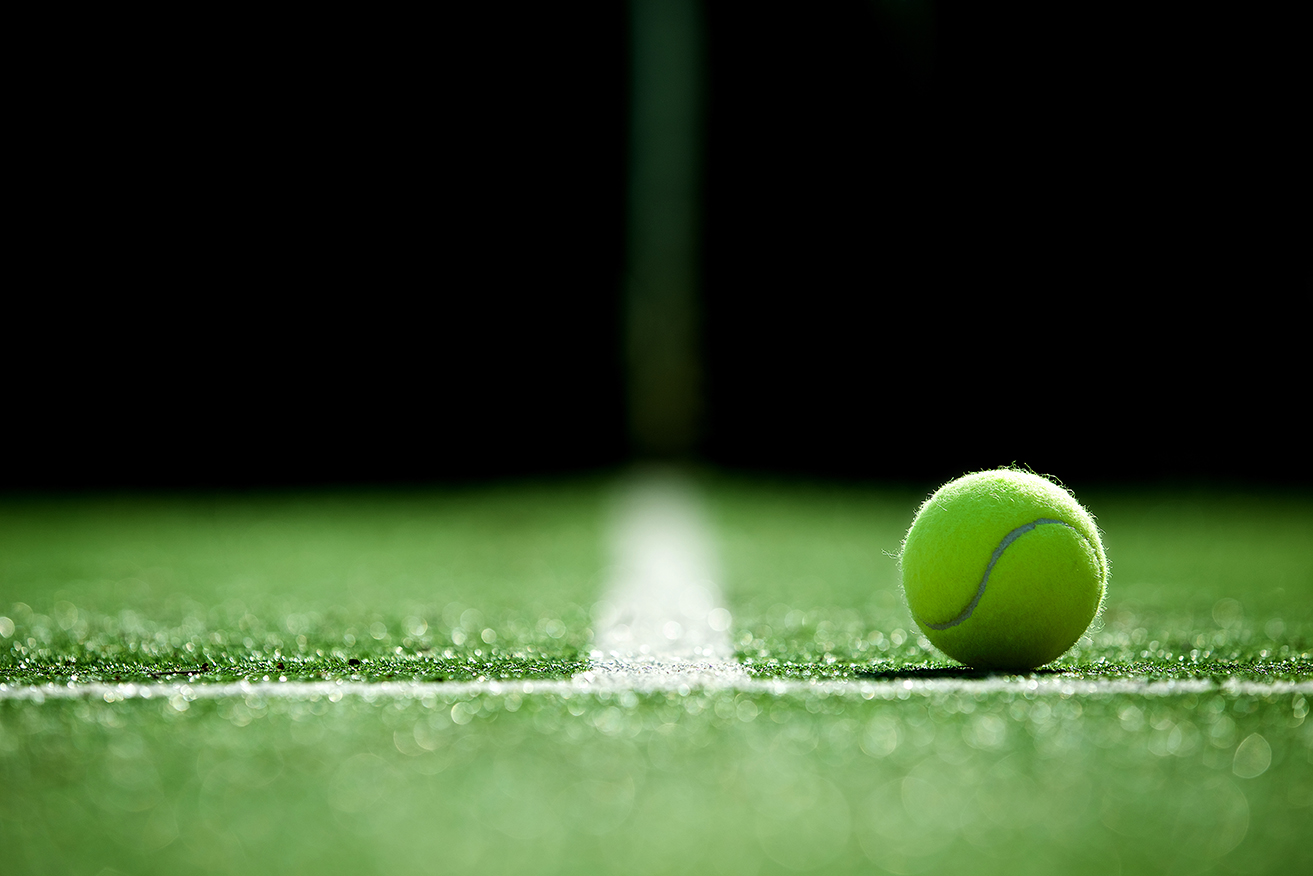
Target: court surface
645	673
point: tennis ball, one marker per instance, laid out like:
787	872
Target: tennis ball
1003	569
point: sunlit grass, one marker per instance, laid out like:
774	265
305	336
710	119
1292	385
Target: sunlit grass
501	584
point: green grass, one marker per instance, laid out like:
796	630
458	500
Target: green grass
501	581
737	783
222	587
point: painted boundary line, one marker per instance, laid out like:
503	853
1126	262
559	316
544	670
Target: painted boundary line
689	681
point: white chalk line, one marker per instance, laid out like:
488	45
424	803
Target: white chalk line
662	620
662	603
692	680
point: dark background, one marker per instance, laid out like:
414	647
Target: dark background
392	251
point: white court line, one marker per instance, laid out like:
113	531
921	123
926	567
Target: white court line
661	629
662	616
685	683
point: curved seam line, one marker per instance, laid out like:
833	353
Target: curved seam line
998	552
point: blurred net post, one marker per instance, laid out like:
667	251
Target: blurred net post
663	367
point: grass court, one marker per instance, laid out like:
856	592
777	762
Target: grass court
388	681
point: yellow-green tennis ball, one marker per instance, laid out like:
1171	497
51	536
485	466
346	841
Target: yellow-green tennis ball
1003	570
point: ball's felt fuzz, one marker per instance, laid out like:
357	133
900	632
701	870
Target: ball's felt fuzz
1003	570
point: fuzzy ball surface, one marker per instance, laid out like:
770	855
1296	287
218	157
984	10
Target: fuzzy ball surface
1003	570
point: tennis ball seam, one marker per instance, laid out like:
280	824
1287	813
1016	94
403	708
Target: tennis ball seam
994	558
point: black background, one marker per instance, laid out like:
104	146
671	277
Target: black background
392	251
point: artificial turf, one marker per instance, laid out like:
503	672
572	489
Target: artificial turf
503	582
